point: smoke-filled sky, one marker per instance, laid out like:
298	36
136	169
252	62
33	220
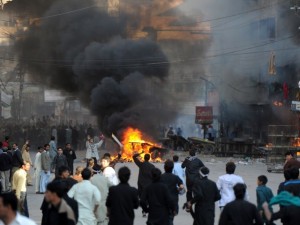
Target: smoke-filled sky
86	53
244	34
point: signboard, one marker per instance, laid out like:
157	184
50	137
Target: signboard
295	106
53	96
204	115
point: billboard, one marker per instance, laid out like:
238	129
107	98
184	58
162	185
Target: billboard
53	96
295	106
204	115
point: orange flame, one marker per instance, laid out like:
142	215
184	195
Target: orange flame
133	143
278	103
296	142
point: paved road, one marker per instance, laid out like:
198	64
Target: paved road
249	172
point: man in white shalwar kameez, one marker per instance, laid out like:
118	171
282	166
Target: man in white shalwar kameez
88	198
37	169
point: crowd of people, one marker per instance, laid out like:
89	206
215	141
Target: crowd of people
97	195
38	130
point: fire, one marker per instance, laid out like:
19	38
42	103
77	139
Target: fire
133	143
278	103
296	142
269	145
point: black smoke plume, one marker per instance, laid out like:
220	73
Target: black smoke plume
77	47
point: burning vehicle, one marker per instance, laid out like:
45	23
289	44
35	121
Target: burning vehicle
133	142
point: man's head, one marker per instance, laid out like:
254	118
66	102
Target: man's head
124	174
8	205
289	155
59	151
55	191
175	158
52	138
192	152
46	147
78	170
239	190
14	146
40	149
230	167
86	174
91	162
26	166
106	154
204	171
27	148
146	157
6	138
105	161
68	146
169	165
262	180
155	174
63	172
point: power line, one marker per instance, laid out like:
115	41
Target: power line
67	12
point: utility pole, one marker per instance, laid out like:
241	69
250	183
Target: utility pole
20	76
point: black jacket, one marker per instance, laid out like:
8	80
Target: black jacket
144	178
61	215
121	202
240	212
5	161
157	201
192	166
205	194
17	160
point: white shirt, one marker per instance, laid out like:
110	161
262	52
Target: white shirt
110	174
37	162
87	196
20	220
225	184
179	171
92	149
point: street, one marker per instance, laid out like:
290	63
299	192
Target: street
249	172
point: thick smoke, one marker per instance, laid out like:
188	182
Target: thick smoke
244	34
86	52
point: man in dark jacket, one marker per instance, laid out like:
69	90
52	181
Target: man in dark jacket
58	212
290	161
157	201
122	200
145	168
71	156
59	160
205	194
192	166
5	167
66	182
174	184
17	160
240	211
